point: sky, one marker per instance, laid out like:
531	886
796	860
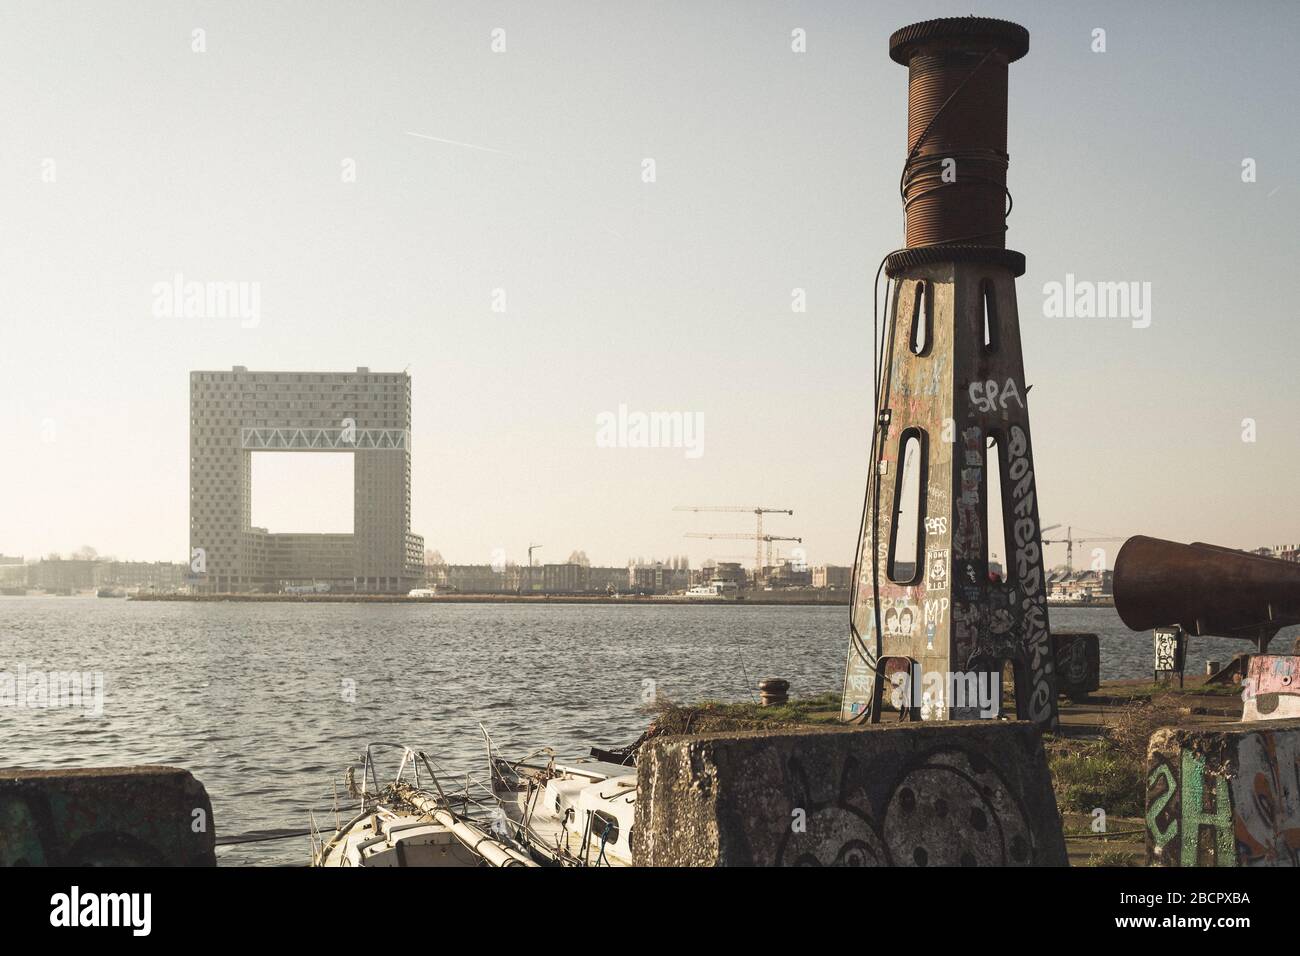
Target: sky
405	196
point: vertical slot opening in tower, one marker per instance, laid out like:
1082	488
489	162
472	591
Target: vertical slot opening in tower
922	319
909	509
994	523
989	308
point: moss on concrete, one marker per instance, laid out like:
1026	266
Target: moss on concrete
713	716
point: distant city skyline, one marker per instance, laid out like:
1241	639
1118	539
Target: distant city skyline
626	212
1283	552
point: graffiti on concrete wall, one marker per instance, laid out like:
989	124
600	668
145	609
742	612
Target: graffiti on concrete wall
1188	825
1078	663
1267	804
1235	803
30	836
946	808
1271	690
968	535
962	400
1029	576
154	816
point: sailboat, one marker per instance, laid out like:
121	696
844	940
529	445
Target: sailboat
537	811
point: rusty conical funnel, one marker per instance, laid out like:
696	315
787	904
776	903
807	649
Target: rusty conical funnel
1206	589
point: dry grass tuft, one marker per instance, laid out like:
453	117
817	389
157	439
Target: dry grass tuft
1130	731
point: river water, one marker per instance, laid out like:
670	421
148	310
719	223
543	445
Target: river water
266	703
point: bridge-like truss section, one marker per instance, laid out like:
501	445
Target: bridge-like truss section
325	439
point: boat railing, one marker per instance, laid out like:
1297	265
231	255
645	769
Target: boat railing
418	774
420	779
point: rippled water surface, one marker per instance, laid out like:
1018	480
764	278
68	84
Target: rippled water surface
250	697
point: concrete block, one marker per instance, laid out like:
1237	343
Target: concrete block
1224	795
1078	663
973	793
114	816
1271	690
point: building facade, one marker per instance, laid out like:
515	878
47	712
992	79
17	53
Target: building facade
479	578
658	577
607	580
568	578
146	575
235	413
832	576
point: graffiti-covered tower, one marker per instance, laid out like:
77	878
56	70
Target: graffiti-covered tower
951	445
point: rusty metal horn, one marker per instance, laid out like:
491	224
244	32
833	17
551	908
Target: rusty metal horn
1205	588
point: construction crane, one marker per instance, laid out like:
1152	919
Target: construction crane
1070	541
758	513
742	536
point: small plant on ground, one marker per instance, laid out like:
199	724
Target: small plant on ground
1113	856
1110	773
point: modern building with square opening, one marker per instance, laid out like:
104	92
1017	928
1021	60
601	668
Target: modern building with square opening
365	414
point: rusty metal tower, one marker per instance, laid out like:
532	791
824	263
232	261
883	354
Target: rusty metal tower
952	422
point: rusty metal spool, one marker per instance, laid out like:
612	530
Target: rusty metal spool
957	111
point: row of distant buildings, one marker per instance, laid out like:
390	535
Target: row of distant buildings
1283	552
71	575
637	577
65	575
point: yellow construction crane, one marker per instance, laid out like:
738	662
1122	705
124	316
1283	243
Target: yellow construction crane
758	513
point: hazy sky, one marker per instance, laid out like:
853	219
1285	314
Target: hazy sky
775	170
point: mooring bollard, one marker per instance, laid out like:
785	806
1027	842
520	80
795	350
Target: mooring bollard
773	690
1211	667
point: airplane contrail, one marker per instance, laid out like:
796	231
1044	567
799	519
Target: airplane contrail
452	142
489	149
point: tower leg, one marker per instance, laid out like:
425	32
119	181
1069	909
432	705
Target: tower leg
928	592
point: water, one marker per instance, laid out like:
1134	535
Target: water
251	697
